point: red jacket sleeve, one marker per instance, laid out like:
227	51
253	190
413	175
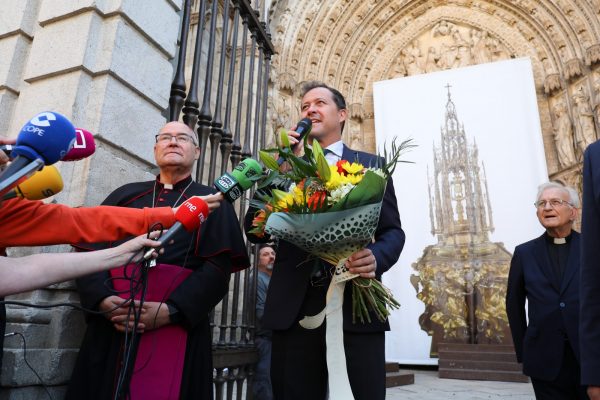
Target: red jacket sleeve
34	223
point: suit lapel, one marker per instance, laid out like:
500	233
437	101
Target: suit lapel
350	155
572	262
543	261
366	159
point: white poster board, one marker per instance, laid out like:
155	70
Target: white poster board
497	104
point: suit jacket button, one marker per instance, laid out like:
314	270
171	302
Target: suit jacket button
562	304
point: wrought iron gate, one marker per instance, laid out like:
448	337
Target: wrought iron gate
231	123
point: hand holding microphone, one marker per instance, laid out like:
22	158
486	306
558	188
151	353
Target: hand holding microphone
296	136
232	185
213	201
190	215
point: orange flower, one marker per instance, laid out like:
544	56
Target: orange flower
340	167
259	221
317	200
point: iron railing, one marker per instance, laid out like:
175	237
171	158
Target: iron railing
231	62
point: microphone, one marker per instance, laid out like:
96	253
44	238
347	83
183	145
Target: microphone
233	184
303	128
7	148
83	147
190	215
42	184
45	139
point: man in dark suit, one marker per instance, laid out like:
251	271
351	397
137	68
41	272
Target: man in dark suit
298	288
590	273
545	272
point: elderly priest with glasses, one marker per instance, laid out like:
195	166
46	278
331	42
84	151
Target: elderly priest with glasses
545	272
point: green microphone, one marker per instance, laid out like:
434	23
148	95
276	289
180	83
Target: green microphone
233	184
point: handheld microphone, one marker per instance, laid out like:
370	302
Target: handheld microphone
190	215
45	139
303	128
7	148
42	184
233	184
83	147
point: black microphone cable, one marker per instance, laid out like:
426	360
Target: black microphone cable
27	362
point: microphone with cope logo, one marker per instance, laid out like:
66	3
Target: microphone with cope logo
233	184
190	215
44	140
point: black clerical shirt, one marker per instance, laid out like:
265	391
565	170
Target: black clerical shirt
559	254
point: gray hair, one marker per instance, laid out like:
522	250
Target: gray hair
572	193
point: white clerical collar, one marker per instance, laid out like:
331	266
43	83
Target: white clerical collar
559	240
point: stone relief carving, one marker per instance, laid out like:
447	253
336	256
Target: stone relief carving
596	86
586	134
356	137
446	46
563	135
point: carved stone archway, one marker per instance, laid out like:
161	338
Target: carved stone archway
351	44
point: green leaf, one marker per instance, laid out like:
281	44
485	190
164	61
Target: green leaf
323	167
301	167
283	136
268	160
268	180
278	195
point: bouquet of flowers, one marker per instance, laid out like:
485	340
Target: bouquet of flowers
330	212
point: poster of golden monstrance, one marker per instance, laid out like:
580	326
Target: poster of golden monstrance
465	202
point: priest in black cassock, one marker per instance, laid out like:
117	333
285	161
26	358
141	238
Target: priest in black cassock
544	272
174	359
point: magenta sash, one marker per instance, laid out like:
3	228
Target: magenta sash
161	352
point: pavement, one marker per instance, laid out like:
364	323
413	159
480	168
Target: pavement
428	386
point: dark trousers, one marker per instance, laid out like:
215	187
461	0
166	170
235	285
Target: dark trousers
566	386
261	387
299	365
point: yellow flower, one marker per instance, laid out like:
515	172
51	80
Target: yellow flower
353	168
354	179
335	179
298	195
285	202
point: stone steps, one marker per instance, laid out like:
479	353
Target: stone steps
395	377
479	362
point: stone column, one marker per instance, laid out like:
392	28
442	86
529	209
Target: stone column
106	65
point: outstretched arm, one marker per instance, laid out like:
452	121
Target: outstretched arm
40	270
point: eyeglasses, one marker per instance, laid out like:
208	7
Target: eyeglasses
553	203
181	138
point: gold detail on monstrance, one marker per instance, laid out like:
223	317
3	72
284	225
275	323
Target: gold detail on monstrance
462	278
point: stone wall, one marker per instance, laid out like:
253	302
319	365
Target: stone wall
107	66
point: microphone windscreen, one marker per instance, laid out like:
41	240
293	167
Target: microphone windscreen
192	213
47	136
83	147
245	171
42	184
303	127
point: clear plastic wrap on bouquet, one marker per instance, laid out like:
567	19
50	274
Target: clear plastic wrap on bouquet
331	236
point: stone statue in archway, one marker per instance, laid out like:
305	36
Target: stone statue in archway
479	49
356	139
563	135
412	58
586	134
431	60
